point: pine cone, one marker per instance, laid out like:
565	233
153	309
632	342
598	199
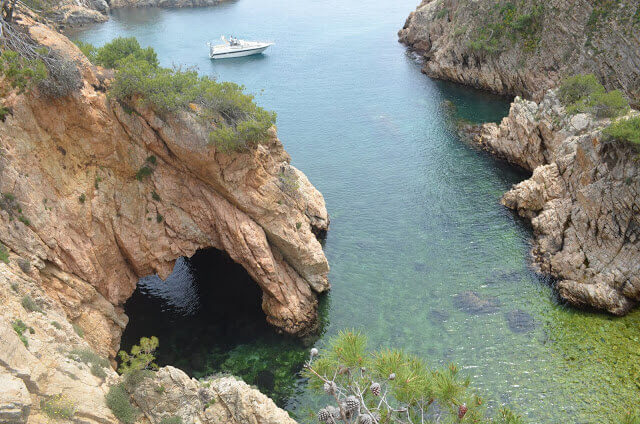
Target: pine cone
335	412
462	410
375	389
351	403
365	419
330	387
323	416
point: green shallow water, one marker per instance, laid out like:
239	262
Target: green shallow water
415	217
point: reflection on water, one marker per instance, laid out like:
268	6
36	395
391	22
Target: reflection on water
422	254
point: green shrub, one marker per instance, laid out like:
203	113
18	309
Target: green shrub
20	327
159	389
625	130
30	305
58	407
98	371
143	172
79	331
88	49
117	399
584	94
159	218
24	220
631	417
111	54
155	196
579	87
4	254
88	356
237	122
21	73
171	420
609	105
82	198
56	325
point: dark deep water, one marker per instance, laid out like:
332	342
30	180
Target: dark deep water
415	221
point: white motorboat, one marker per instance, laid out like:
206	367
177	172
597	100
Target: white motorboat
234	47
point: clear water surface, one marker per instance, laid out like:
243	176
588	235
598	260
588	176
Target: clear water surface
415	218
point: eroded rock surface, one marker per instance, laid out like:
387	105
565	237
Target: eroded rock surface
76	206
171	393
482	44
582	200
42	356
80	223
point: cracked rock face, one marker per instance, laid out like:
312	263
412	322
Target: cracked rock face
76	205
569	42
582	200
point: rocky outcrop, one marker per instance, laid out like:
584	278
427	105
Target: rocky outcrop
171	393
582	200
526	48
73	13
97	194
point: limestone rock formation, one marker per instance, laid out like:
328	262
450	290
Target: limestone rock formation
582	200
526	48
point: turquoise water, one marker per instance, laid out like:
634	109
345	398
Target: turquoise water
415	218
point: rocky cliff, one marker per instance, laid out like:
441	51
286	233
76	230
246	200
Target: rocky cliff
105	193
582	200
526	47
96	194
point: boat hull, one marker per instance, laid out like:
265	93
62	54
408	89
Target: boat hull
241	53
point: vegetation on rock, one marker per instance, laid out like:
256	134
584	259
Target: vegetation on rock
118	401
58	407
235	121
625	130
585	94
506	23
391	386
30	305
20	327
4	254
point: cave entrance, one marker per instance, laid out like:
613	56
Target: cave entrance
208	317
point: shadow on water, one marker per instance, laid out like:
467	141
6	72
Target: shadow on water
208	317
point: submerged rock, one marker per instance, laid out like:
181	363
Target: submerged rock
438	316
520	321
471	302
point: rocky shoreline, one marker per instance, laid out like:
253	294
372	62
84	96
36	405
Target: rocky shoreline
526	49
69	13
582	200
